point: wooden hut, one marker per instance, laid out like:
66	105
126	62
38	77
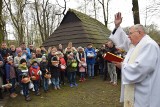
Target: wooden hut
80	29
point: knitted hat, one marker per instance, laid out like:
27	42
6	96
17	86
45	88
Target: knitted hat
9	58
80	48
34	62
58	53
54	58
18	50
22	61
43	57
70	55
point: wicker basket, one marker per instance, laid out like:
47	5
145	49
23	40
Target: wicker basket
25	80
33	77
7	86
55	63
63	67
48	76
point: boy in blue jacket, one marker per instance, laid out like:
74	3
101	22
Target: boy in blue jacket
90	59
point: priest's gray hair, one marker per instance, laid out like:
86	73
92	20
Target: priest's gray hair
139	27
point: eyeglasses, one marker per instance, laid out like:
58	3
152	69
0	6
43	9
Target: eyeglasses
130	33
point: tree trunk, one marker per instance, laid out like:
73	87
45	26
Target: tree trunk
1	24
135	10
41	30
107	10
104	13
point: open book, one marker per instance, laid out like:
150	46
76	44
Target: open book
112	57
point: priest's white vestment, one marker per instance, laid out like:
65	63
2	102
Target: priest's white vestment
143	72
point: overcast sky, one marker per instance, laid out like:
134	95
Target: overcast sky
123	6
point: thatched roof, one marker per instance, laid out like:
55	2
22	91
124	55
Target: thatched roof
78	28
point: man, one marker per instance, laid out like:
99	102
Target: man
26	54
140	68
4	51
100	59
111	67
105	70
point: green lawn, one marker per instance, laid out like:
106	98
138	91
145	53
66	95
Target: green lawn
92	93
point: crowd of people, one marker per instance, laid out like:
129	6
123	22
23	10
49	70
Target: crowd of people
30	67
140	86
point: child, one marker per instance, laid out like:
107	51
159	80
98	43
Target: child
11	75
55	72
63	67
82	69
90	59
25	80
72	68
44	69
35	73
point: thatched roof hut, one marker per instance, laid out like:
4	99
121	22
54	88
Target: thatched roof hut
78	28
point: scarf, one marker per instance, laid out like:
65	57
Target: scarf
129	89
22	67
35	66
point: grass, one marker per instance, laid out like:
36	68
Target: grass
92	93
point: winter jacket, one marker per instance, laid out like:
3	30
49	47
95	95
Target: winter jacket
88	52
35	71
10	71
55	71
70	68
43	67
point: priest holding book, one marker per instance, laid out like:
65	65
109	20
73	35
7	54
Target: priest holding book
140	68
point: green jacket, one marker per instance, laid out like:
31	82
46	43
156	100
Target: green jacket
71	66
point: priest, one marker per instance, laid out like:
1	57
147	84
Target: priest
140	68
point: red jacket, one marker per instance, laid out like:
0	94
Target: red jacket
34	72
62	61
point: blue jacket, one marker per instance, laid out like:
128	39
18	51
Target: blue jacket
28	54
90	60
1	59
1	65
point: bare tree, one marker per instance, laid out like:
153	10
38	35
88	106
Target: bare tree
62	7
152	10
17	17
95	8
105	11
45	17
84	5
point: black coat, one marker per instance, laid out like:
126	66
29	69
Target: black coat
55	71
43	67
1	70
